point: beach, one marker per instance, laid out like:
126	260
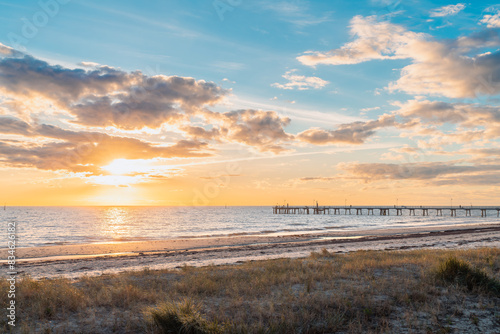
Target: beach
76	260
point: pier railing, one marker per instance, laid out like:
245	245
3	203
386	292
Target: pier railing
384	210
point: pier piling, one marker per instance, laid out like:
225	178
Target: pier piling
384	210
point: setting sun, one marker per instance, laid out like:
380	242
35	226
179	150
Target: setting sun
126	166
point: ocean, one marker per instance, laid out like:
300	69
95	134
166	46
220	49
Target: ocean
44	226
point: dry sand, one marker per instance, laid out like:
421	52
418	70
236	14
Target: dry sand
97	259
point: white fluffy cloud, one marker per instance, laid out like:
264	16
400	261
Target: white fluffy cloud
301	82
374	40
447	10
446	68
491	21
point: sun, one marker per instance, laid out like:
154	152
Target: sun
127	166
126	172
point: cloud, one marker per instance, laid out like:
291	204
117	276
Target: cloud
103	96
435	173
295	12
11	125
300	82
351	133
81	151
466	115
447	10
451	74
485	152
370	109
447	68
263	130
106	96
317	179
374	40
152	102
199	132
8	51
492	21
89	64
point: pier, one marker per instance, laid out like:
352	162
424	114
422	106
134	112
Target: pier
385	210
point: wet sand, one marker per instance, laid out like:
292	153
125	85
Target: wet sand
97	259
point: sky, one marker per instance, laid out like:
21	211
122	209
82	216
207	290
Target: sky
237	102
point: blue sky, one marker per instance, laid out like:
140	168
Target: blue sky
251	43
370	76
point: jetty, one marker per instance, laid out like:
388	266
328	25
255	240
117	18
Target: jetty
385	210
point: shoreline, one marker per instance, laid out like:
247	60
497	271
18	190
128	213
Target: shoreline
184	243
73	261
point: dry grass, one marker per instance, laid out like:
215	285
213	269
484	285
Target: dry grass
360	292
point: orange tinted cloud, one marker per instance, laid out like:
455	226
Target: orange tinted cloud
350	133
82	151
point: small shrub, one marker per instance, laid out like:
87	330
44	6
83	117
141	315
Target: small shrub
460	272
183	318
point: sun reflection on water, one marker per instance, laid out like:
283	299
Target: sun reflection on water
116	223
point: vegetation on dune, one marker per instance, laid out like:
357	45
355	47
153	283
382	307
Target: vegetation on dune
179	318
462	273
359	292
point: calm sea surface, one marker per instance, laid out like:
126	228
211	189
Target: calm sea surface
42	226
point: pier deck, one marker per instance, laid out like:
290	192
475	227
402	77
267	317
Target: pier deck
384	210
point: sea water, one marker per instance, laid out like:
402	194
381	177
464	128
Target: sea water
44	226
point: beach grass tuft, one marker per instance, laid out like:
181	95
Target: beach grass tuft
460	272
179	318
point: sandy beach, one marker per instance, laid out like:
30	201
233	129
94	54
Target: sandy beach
96	259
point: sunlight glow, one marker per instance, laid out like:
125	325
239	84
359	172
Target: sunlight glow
115	180
116	196
126	166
